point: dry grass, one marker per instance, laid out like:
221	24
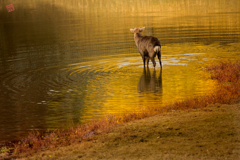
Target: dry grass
209	133
227	74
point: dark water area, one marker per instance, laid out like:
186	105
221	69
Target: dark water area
68	62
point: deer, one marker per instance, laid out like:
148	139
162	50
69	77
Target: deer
148	46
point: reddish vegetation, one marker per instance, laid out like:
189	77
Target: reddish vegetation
227	74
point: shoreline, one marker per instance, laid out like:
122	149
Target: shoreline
227	75
212	132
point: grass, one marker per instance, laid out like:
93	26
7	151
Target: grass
227	75
209	133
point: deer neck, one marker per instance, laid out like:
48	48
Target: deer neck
137	37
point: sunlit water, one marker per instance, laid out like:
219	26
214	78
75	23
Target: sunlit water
63	63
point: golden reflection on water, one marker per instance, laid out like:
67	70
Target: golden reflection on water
64	61
120	85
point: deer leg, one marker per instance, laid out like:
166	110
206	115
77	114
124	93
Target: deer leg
143	57
153	61
159	58
147	61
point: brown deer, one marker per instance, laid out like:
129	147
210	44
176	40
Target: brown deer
148	46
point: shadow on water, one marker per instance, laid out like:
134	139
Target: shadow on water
150	83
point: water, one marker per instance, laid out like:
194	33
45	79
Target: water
67	62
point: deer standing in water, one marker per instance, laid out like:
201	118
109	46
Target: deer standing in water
148	46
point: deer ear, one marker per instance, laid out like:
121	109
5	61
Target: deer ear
141	29
132	30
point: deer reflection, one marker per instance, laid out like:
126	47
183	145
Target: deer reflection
150	82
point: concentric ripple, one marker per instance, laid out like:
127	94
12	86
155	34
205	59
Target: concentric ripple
59	95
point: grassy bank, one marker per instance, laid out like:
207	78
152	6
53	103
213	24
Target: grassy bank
209	133
228	76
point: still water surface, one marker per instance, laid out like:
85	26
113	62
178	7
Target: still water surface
67	62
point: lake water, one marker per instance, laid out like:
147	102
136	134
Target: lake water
68	62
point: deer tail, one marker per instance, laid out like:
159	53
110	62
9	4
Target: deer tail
157	49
